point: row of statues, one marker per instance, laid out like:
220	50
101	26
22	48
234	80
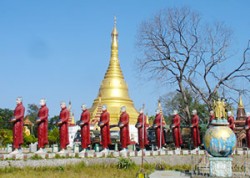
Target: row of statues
103	123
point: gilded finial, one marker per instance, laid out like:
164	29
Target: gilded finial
115	32
114	43
240	104
115	21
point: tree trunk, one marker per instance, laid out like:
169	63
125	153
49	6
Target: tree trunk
186	109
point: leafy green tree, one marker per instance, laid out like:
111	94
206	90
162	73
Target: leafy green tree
28	139
52	122
5	116
32	112
53	136
5	137
174	101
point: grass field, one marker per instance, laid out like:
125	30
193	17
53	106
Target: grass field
76	171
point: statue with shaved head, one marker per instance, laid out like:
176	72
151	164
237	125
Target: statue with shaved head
211	117
63	127
124	129
158	126
142	130
42	122
85	130
195	130
176	130
230	119
105	130
17	121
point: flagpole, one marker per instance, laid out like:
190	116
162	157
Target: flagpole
159	104
143	126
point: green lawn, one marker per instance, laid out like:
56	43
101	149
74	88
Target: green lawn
79	170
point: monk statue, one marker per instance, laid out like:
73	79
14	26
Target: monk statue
17	121
159	126
85	128
230	119
195	130
176	130
211	118
42	130
124	129
63	127
141	125
105	130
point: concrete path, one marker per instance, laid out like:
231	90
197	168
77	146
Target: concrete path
168	174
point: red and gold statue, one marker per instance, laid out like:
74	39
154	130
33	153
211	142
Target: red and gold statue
195	130
176	130
158	126
211	117
85	130
142	130
230	119
247	127
63	127
105	130
124	129
17	121
42	130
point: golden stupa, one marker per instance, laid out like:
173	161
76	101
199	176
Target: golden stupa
113	91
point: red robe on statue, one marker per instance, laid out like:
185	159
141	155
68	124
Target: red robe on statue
158	133
105	130
124	129
195	131
247	126
212	117
85	132
18	126
176	123
230	120
64	133
42	130
140	124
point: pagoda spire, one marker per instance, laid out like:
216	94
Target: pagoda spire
114	69
114	43
113	91
241	113
240	103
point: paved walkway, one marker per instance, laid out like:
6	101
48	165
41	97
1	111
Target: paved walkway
168	174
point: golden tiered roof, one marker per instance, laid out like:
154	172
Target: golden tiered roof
113	91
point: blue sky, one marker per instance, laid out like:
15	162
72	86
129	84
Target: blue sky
60	50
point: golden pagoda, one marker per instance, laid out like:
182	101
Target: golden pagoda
113	91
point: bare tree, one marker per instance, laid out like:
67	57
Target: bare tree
210	74
179	49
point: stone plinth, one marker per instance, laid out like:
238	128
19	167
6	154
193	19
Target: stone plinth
220	166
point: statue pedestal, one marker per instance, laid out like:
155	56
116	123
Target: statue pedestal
220	166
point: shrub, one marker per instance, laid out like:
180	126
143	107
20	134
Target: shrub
125	163
28	139
53	136
5	137
35	157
